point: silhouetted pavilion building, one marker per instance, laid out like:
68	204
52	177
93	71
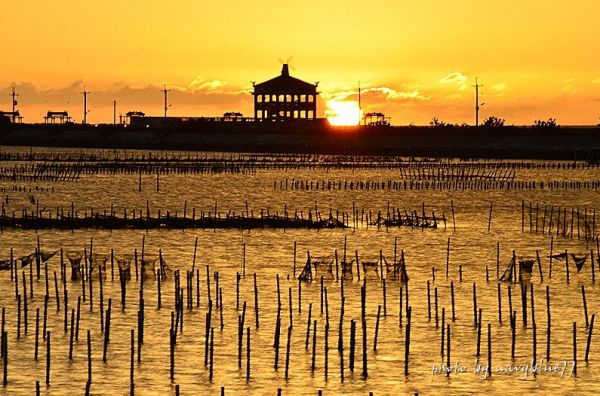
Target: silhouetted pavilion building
53	117
285	98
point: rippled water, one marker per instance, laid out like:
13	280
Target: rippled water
270	252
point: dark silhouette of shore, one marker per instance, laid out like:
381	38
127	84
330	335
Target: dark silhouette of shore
567	143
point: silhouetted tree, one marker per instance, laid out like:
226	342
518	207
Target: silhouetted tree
437	123
550	123
493	122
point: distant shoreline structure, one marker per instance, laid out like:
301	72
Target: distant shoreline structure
282	99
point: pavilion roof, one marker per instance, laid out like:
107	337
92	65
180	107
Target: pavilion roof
285	84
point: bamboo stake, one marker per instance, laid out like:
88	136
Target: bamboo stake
589	337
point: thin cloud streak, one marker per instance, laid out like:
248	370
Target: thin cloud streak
456	78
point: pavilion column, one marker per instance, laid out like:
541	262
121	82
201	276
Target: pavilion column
255	107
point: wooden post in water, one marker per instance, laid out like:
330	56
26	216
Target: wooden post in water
89	356
287	352
479	321
436	307
575	348
256	301
532	295
474	304
326	351
489	332
513	327
172	333
534	341
352	344
550	259
567	265
593	265
314	346
452	298
443	339
248	354
308	325
37	332
407	339
276	342
107	330
5	357
48	358
72	334
45	316
212	348
448	349
428	302
453	219
549	323
364	351
539	263
447	257
131	364
589	337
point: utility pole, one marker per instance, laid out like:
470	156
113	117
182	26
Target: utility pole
14	104
359	104
85	110
114	112
477	106
167	105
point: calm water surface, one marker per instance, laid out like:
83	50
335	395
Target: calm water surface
270	252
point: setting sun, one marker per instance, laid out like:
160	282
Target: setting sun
344	113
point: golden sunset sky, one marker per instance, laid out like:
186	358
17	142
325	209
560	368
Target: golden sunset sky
415	59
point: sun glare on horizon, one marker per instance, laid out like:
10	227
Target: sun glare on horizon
342	113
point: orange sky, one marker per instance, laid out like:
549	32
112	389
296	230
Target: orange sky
416	59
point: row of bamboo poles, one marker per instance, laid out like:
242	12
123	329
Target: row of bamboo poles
40	172
26	188
312	218
133	162
562	221
396	185
356	338
456	173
